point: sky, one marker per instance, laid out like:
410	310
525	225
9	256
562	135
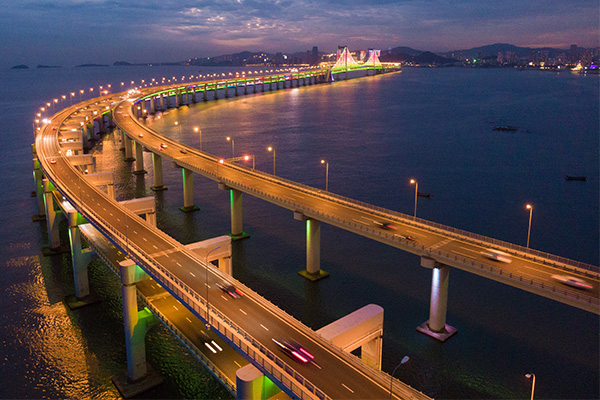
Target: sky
72	32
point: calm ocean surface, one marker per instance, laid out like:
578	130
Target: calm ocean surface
434	125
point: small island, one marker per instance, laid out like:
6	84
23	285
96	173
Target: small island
20	66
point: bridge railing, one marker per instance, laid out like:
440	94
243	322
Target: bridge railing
536	255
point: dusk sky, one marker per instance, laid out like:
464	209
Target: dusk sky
71	32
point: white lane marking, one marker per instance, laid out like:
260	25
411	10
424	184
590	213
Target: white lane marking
189	320
416	233
226	299
467	249
155	247
237	363
243	312
135	232
176	308
145	240
118	220
462	254
111	214
348	388
176	262
192	275
264	327
316	365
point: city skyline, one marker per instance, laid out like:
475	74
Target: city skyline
74	31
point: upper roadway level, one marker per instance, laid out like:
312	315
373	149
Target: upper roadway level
529	270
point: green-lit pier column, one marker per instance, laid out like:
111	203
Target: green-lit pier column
436	326
188	191
139	377
313	269
39	189
252	384
237	226
158	175
139	159
51	217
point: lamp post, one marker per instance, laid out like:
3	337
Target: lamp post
403	361
530	208
532	377
197	130
326	175
270	148
207	307
232	146
416	191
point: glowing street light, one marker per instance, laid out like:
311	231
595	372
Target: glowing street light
532	377
270	148
207	305
416	190
403	361
197	130
326	174
530	208
232	146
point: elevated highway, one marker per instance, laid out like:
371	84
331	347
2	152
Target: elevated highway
250	323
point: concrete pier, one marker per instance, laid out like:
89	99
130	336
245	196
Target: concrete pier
217	248
39	190
139	377
436	326
139	159
158	176
237	229
313	269
128	147
188	191
252	384
51	216
145	206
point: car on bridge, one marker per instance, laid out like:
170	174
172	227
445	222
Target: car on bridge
294	350
572	281
230	290
209	342
497	255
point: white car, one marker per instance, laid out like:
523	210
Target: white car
141	135
497	255
572	281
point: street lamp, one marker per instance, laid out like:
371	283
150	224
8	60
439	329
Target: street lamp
403	361
326	174
530	208
232	146
177	124
416	191
273	150
532	377
197	130
206	266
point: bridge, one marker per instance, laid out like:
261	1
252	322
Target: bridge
182	273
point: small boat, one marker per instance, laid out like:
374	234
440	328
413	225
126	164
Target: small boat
506	128
576	178
421	194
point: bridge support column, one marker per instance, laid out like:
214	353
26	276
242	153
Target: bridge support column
51	217
188	191
139	159
436	326
237	229
251	384
194	95
39	190
128	148
313	269
80	260
152	105
158	177
139	377
205	95
226	89
362	329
